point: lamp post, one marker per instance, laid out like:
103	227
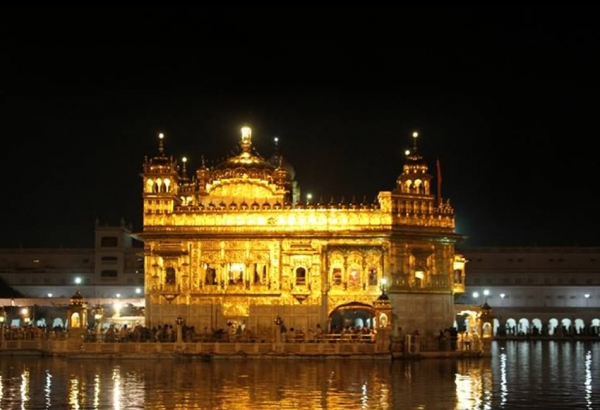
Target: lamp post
486	293
587	298
383	283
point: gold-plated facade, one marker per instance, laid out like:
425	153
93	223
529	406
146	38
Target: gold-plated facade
234	244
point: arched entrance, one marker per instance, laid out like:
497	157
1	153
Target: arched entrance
353	314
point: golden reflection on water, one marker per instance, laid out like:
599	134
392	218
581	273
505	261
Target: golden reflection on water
249	384
24	388
74	393
474	385
97	390
116	377
255	384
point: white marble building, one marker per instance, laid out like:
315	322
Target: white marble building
549	290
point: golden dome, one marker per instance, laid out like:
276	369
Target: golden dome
77	299
246	164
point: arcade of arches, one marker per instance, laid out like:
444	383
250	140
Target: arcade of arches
515	326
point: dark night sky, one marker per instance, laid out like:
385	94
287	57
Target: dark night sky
505	96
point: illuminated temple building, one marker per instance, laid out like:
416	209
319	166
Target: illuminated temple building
234	243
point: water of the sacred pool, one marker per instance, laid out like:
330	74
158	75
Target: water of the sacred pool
519	375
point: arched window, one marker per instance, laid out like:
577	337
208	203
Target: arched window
75	321
300	276
373	281
150	185
417	186
354	276
383	320
211	275
336	276
236	273
170	276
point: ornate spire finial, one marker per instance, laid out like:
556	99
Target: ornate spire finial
246	139
203	162
161	145
415	136
183	168
276	152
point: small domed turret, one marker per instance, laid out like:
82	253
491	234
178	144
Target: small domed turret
414	178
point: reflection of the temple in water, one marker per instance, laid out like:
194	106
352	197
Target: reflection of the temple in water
474	384
240	384
237	384
523	373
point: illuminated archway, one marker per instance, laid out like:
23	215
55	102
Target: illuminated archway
465	321
511	327
536	327
579	327
595	327
353	314
552	327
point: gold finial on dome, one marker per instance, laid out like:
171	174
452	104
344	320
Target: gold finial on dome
246	138
415	136
161	144
184	170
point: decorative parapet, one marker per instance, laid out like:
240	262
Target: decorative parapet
306	219
408	283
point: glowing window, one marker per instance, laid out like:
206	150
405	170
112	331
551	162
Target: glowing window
354	277
372	277
337	276
236	273
210	275
149	185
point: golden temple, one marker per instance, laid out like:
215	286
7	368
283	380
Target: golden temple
234	244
